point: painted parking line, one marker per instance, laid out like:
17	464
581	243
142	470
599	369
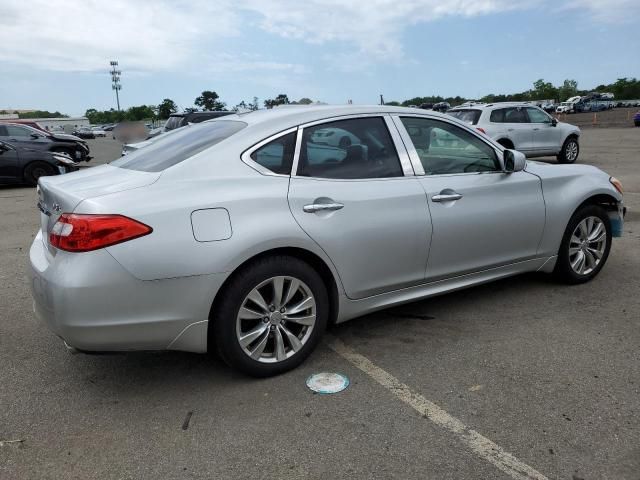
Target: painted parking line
480	445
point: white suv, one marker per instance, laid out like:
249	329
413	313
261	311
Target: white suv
525	128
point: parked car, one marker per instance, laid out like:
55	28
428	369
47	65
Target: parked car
98	132
548	107
233	235
108	128
22	164
84	132
27	123
22	135
636	119
566	107
525	128
442	106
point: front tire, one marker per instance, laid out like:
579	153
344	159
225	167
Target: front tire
35	170
585	245
570	151
270	316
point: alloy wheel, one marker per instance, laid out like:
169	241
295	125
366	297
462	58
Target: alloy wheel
572	151
276	319
587	245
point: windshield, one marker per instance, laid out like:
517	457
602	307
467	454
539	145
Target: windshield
468	116
170	150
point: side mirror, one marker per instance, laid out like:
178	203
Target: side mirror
554	122
513	161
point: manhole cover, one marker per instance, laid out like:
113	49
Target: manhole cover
327	382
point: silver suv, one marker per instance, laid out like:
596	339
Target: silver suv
523	127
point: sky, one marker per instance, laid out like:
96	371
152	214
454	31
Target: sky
55	54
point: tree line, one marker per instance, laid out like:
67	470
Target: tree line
622	89
207	101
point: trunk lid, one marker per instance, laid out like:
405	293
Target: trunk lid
63	193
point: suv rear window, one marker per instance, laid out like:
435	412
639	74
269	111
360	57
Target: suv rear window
174	122
468	116
168	151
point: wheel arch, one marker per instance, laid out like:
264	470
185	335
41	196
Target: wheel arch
32	162
506	143
316	262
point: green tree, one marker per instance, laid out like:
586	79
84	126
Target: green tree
141	112
42	114
543	90
305	101
166	108
568	89
208	101
281	99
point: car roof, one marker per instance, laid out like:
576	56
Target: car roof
289	115
489	106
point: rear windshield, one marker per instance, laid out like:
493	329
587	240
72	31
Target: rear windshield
173	122
168	151
468	116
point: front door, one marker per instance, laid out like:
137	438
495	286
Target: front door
482	217
8	162
546	138
351	196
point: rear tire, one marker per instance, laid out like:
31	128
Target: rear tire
35	170
570	151
267	340
585	245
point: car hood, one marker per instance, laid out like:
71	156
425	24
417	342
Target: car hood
66	138
559	175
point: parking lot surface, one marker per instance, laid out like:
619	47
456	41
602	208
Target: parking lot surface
548	373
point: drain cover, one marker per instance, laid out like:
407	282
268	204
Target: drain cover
327	382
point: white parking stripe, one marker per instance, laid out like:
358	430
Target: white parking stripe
480	445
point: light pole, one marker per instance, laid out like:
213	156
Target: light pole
115	80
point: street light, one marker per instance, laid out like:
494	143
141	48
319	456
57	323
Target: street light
115	80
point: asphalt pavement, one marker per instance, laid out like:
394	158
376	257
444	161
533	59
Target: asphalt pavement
524	371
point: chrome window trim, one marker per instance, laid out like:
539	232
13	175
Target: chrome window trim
406	166
414	158
405	162
413	154
246	155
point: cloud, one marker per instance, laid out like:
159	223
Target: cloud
84	36
76	35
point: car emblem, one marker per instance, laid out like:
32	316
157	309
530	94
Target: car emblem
56	207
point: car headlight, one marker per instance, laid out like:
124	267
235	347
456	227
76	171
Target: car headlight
616	184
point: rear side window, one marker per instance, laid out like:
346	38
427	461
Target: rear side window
168	151
277	156
470	116
509	115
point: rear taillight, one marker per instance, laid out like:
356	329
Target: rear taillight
481	130
83	233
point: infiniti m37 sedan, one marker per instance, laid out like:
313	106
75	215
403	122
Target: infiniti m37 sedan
246	235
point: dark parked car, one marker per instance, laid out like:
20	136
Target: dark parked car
636	119
442	107
23	136
23	164
84	133
426	106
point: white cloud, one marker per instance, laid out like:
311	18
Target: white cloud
83	35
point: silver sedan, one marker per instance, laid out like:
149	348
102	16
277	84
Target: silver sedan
247	235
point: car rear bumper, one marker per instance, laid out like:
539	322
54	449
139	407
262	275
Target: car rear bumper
92	303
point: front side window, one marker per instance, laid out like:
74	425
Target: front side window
277	156
537	116
444	148
349	149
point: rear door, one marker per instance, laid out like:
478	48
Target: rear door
482	217
515	123
357	198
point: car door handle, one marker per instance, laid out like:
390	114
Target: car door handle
535	129
318	207
510	129
446	197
